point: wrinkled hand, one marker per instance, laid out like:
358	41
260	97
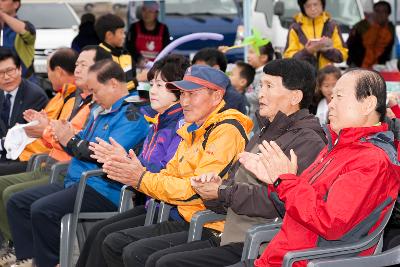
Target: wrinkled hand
276	162
37	130
252	162
123	169
390	114
206	185
62	131
102	151
393	99
326	44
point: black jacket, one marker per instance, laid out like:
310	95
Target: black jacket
29	96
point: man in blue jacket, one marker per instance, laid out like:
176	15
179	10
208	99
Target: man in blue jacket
35	214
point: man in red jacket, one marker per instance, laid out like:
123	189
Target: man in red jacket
355	176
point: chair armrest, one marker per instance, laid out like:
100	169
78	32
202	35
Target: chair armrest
199	219
386	258
163	212
151	210
81	188
57	170
125	202
257	235
317	253
35	160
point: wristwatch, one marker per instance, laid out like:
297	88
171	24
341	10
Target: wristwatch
220	188
277	182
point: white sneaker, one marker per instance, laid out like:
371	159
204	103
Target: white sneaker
23	263
7	258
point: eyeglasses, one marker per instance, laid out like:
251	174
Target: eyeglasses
10	72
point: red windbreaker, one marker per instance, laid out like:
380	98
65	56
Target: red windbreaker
350	178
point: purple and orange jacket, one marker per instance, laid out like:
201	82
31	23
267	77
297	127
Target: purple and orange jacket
162	141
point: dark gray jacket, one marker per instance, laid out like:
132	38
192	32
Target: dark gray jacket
244	197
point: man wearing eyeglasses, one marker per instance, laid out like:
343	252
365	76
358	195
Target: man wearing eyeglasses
18	94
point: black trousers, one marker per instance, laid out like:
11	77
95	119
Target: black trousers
143	246
35	216
91	254
12	167
213	256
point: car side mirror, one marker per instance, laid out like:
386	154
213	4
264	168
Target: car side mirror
279	8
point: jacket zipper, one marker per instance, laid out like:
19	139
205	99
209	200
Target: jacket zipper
313	23
149	150
318	174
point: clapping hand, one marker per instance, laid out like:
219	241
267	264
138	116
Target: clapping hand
270	163
102	150
206	185
37	130
126	170
62	131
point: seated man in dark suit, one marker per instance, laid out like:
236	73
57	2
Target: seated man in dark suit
18	94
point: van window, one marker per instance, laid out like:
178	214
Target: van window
39	14
217	7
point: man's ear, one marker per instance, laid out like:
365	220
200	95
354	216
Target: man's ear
296	97
17	5
218	96
108	36
114	83
369	104
216	67
242	82
264	58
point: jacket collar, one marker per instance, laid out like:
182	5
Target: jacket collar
173	113
67	89
115	107
302	19
281	122
212	118
115	51
349	135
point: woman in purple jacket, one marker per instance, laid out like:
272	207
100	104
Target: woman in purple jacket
158	148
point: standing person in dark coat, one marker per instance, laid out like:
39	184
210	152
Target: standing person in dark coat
87	35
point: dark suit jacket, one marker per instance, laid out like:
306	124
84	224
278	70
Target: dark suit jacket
29	96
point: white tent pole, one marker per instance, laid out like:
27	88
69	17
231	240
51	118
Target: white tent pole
247	7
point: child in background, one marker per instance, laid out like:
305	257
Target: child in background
257	61
326	80
242	76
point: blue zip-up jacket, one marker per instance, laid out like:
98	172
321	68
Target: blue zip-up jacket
162	141
126	125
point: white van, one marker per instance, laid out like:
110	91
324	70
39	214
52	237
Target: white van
273	17
56	26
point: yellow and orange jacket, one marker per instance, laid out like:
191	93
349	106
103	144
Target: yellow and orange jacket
56	109
77	122
304	29
224	143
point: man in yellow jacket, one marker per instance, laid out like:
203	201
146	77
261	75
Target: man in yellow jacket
314	37
212	137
